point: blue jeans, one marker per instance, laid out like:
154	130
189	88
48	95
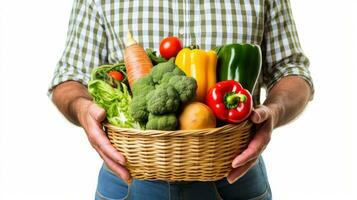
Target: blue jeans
253	185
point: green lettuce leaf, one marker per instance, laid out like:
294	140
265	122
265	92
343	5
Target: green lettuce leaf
112	95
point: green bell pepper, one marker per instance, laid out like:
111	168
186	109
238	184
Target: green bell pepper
239	62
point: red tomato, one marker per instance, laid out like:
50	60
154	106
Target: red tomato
116	75
170	46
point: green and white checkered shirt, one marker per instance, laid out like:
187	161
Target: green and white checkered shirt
97	31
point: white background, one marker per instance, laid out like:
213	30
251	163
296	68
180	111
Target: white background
42	156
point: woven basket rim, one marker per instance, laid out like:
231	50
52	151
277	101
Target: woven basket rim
198	132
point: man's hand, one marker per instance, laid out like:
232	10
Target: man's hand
73	100
90	117
285	101
263	117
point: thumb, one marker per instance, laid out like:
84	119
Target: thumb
97	112
259	115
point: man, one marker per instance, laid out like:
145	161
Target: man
96	33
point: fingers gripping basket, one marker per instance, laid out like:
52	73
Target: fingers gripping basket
195	155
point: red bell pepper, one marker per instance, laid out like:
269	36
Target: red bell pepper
229	101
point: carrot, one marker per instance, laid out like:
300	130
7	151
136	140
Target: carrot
137	63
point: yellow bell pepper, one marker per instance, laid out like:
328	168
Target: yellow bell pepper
200	65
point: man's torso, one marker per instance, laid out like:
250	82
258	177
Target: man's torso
204	23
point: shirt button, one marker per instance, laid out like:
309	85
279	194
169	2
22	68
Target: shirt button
181	31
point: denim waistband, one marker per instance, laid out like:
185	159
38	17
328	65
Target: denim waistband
253	185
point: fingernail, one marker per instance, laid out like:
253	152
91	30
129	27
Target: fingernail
120	161
237	165
129	181
232	181
256	117
235	180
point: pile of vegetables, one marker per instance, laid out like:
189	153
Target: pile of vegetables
158	96
179	89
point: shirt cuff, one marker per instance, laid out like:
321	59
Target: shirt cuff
64	74
292	70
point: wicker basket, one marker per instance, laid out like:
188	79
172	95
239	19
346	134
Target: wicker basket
195	155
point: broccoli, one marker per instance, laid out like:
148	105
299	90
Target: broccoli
143	86
166	77
157	96
162	122
178	71
185	86
160	69
164	99
138	109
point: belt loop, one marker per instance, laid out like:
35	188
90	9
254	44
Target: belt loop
169	189
218	196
